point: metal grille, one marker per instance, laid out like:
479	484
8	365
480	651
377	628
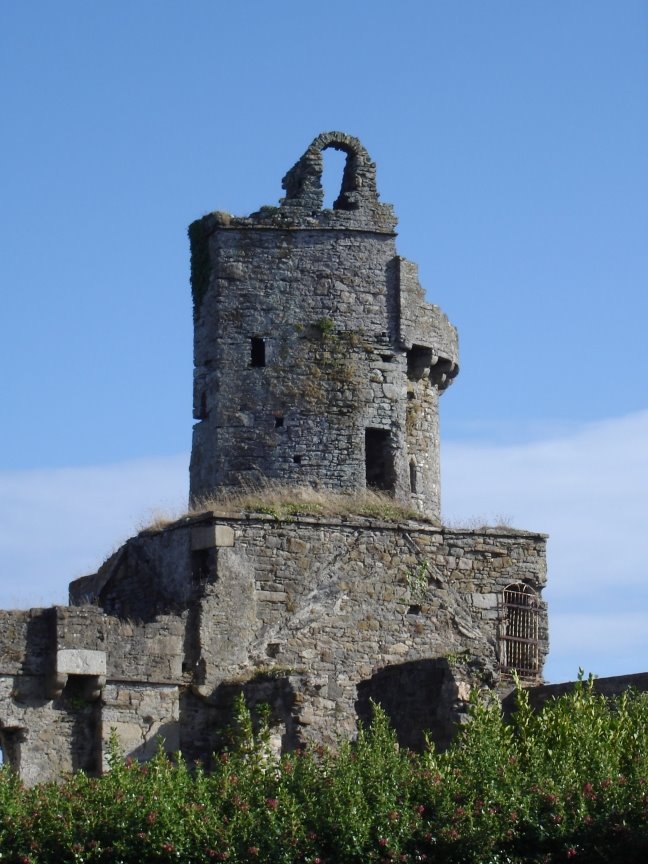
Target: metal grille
519	645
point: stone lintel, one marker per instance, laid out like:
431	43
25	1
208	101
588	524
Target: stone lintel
80	661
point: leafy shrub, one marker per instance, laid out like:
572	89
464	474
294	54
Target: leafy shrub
567	783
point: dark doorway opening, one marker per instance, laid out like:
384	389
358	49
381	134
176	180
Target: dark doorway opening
379	460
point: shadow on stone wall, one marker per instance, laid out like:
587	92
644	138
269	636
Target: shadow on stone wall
417	696
166	732
206	722
84	720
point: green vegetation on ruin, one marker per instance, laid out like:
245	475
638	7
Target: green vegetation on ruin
285	502
567	784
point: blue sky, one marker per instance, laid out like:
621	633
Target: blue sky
512	139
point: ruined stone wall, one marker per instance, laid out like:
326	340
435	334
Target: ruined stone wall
41	738
70	674
318	615
330	605
611	687
145	578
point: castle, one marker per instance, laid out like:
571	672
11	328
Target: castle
318	364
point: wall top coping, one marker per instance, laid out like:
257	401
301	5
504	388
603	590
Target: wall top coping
209	517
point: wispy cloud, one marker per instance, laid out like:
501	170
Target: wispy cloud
587	490
585	487
58	524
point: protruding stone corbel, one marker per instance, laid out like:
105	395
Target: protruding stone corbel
56	684
93	688
81	662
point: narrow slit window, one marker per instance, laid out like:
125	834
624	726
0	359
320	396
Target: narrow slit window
413	477
519	648
257	351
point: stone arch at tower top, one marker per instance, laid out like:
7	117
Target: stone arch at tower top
303	183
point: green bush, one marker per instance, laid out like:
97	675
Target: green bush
568	783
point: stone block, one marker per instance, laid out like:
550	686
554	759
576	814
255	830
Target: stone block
210	536
272	596
80	661
484	601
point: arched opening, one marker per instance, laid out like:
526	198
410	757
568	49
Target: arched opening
334	165
519	651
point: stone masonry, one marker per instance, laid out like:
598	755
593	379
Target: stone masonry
317	363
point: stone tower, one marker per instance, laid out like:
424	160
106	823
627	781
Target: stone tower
317	359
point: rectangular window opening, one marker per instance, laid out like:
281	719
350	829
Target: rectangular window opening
279	421
257	351
379	460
